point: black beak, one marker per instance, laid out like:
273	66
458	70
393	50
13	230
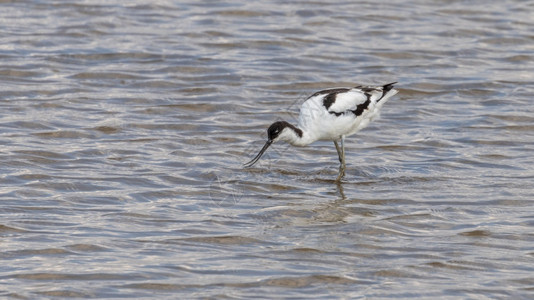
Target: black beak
255	159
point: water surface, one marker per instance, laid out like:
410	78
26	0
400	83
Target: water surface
124	126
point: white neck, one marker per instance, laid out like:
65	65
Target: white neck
296	136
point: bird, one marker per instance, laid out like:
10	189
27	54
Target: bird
332	114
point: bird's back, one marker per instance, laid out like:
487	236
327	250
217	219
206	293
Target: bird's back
329	114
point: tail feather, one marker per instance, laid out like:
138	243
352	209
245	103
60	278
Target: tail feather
387	91
388	87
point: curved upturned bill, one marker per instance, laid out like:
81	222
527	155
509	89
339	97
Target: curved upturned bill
255	159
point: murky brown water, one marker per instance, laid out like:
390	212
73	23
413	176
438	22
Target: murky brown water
123	130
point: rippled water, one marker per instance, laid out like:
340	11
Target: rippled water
123	130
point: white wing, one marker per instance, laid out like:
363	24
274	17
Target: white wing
320	111
345	101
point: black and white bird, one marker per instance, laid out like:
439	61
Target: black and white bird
331	114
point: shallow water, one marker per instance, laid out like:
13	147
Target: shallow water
123	130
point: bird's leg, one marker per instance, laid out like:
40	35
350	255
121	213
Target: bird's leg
341	153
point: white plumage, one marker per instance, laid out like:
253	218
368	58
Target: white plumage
331	114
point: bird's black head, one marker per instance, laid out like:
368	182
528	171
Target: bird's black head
276	129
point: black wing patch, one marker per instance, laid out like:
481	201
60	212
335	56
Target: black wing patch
329	100
361	107
331	96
